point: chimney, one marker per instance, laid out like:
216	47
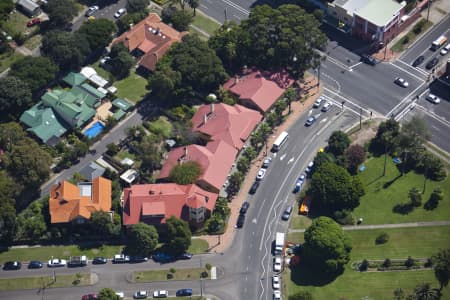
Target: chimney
205	118
157	30
212	108
206	199
185	151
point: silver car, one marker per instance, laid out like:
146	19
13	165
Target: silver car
433	98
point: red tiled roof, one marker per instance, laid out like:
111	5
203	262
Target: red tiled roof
152	37
261	88
232	124
215	159
166	199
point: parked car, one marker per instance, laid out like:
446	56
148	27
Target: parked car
309	167
12	265
445	50
99	260
184	292
432	63
160	294
120	294
277	264
89	297
35	264
276	282
163	257
120	13
56	262
140	295
240	221
401	82
276	295
418	61
318	102
433	98
298	186
91	10
326	107
120	258
287	213
137	259
366	58
266	162
254	187
244	207
261	174
310	121
184	256
33	22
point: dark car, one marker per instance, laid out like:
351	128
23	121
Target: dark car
163	257
432	63
137	259
35	264
368	59
185	255
287	213
418	61
244	207
240	221
99	260
184	292
89	297
12	265
254	187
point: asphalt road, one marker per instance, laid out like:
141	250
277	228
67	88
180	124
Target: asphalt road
106	12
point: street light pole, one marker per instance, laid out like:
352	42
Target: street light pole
360	117
318	74
428	9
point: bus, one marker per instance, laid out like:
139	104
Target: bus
439	42
281	139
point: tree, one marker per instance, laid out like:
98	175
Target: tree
337	143
441	263
234	183
137	5
107	294
399	294
142	239
178	235
181	19
425	292
221	208
8	223
279	108
302	295
321	158
290	95
121	61
36	72
185	173
98	33
326	246
6	6
194	4
61	12
415	197
101	223
354	155
243	164
332	188
15	97
382	238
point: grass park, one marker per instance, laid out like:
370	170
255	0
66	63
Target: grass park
79	279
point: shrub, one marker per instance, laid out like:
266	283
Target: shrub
405	40
172	270
344	217
415	197
418	28
204	274
387	263
409	262
169	276
382	238
428	263
364	265
208	266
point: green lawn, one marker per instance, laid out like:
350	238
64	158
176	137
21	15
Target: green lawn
45	253
198	246
300	222
132	88
205	23
162	126
38	282
161	275
377	205
33	42
7	59
100	71
17	22
125	154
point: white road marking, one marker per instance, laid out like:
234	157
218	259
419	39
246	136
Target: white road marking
417	69
237	17
403	101
283	156
237	7
324	120
346	100
291	160
409	73
254	221
203	6
355	65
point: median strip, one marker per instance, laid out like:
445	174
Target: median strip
171	274
45	282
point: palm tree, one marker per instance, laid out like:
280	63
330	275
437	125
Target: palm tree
425	292
194	4
289	94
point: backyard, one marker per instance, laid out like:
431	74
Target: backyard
133	88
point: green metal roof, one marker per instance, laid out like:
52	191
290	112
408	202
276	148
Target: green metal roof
43	123
119	114
89	88
74	79
379	12
122	104
88	98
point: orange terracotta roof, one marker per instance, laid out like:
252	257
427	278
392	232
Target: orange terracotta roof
152	37
68	201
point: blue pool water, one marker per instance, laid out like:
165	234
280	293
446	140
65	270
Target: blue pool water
94	130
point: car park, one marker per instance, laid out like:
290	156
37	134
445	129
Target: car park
445	50
244	207
137	259
56	262
277	264
276	282
309	167
432	63
318	102
254	187
120	13
287	213
261	174
401	82
276	295
12	265
368	59
266	162
140	295
310	121
160	294
184	292
433	98
35	264
91	10
240	221
418	61
326	107
184	256
89	297
99	260
33	22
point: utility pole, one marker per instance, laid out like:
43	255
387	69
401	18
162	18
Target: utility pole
318	75
225	12
360	117
428	9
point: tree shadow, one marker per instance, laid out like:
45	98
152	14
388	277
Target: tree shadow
390	182
403	208
307	275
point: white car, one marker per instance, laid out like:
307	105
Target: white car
140	295
261	174
56	262
276	295
326	107
276	282
160	294
401	82
433	98
277	264
309	167
266	162
120	13
318	102
120	294
91	10
446	49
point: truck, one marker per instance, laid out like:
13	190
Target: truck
120	259
78	261
279	243
439	42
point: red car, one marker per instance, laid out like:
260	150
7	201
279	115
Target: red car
33	22
90	297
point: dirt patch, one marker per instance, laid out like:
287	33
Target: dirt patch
366	133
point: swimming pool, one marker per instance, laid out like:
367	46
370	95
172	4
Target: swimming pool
94	130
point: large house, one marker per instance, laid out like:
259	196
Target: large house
76	203
149	40
259	90
155	203
215	159
231	124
